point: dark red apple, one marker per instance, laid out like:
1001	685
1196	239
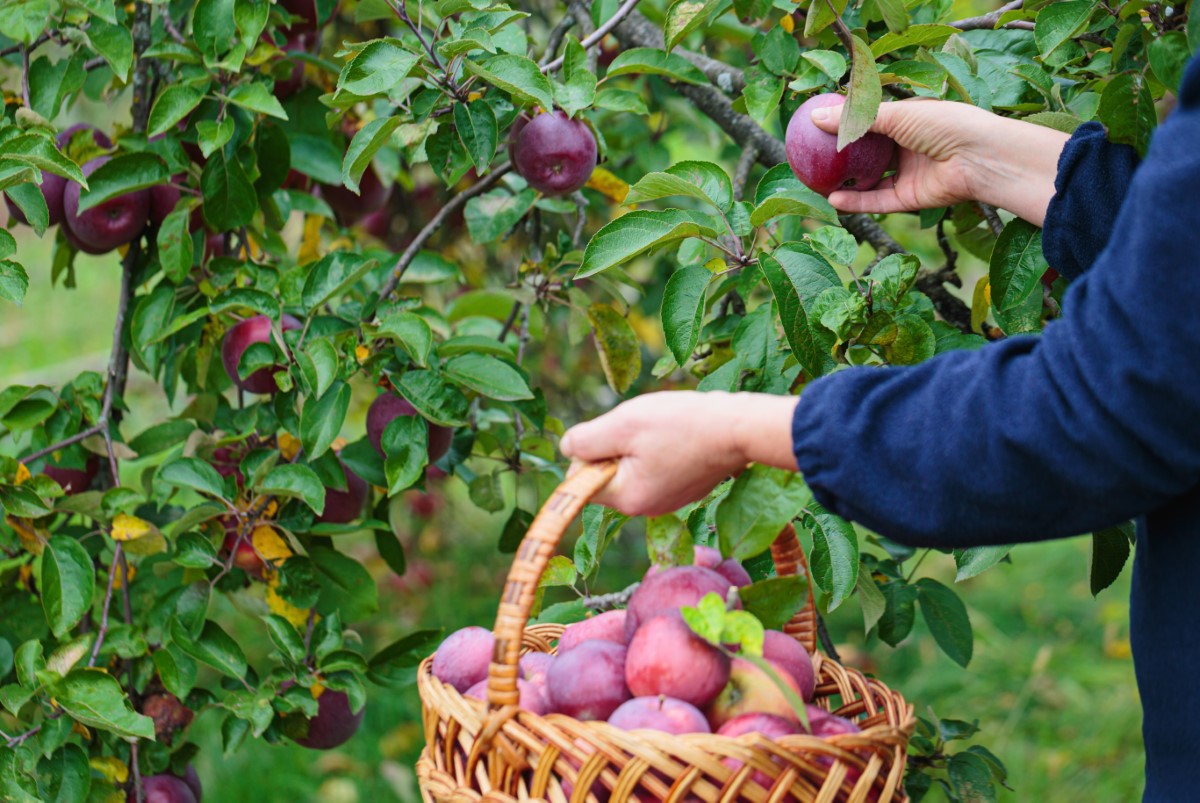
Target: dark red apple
109	225
192	779
343	507
666	592
241	337
245	558
350	207
1049	277
73	480
666	657
386	408
769	726
163	199
589	681
164	789
295	180
462	659
608	626
554	153
334	723
782	649
816	161
659	713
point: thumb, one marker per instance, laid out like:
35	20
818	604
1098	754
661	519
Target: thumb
586	442
827	118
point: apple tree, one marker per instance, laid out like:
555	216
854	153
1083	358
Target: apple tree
486	220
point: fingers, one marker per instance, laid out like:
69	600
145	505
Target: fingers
881	200
589	441
894	119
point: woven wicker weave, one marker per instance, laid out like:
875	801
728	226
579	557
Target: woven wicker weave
500	753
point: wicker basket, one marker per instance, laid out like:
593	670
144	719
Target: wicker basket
500	753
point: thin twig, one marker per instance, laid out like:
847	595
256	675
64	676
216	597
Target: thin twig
63	444
447	79
557	35
118	552
581	206
741	175
509	321
989	20
452	206
993	219
172	31
25	76
826	641
606	602
841	29
598	35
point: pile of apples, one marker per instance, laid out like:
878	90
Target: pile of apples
645	668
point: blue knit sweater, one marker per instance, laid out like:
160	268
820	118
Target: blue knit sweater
1094	422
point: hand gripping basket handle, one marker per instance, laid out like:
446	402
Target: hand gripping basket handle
541	543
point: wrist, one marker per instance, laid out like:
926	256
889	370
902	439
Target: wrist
761	427
1014	165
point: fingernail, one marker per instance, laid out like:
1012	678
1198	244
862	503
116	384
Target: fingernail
565	443
820	115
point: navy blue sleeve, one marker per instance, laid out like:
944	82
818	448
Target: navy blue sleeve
1093	177
1090	424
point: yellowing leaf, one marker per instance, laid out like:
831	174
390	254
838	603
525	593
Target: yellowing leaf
608	184
310	241
34	540
280	606
112	768
788	23
269	545
361	353
130	528
289	446
119	576
22	473
82	730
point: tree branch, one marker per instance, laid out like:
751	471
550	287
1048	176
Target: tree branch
987	21
596	36
452	206
607	602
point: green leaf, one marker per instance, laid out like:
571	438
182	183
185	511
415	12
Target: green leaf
114	44
489	377
1110	551
977	560
191	472
285	638
475	123
175	244
296	481
1017	264
759	503
946	616
924	35
214	25
319	363
821	15
487	492
321	419
1127	110
915	341
68	581
257	98
346	586
897	620
121	175
1059	121
685	16
793	314
396	664
366	143
560	571
405	442
578	90
864	95
1058	22
871	599
971	778
703	181
377	68
683	309
829	62
14	281
25	20
333	275
621	100
411	333
212	135
41	152
775	600
638	232
491	215
213	647
434	399
516	75
95	698
67	775
781	193
668	541
229	199
29	199
620	355
834	557
172	105
651	61
194	551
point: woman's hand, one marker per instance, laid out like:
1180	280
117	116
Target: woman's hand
675	447
953	152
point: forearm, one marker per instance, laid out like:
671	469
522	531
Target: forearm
1014	165
762	428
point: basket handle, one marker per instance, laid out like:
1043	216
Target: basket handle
541	543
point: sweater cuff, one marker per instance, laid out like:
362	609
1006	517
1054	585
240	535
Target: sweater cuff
1093	177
